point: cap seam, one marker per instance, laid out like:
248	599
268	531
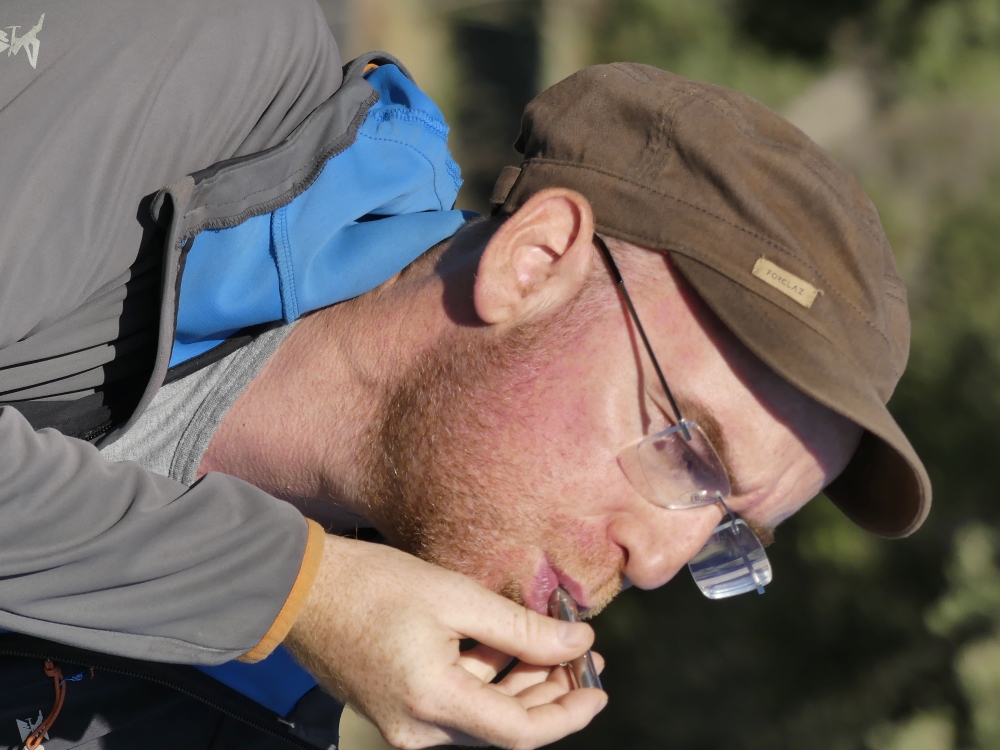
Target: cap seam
814	165
823	400
698	95
820	171
749	232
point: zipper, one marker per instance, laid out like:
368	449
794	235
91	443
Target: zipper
54	652
96	432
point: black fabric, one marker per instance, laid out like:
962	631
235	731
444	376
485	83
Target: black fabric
82	417
88	409
127	704
237	341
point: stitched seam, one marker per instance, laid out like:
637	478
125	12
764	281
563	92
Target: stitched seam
312	164
823	174
283	258
682	249
415	150
249	196
728	115
394	112
814	165
332	149
705	211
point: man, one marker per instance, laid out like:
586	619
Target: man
500	407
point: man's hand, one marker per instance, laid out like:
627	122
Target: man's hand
381	631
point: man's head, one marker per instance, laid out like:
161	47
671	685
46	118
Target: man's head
770	298
499	452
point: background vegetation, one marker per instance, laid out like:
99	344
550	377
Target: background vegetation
859	642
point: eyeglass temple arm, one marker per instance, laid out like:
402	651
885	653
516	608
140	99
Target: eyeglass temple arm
642	333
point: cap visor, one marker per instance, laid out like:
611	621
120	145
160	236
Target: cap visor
884	488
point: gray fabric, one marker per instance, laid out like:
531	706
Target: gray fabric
170	88
219	198
117	559
172	434
126	96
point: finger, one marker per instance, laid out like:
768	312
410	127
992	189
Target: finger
484	662
545	692
501	720
524	676
598	662
526	635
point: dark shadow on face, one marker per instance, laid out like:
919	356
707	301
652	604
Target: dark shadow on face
637	354
457	265
750	370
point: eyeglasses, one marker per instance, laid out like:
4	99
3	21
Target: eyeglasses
682	469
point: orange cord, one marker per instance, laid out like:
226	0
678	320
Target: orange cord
35	738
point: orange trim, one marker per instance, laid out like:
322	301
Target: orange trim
369	68
296	598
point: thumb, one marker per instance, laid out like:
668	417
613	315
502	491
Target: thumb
519	632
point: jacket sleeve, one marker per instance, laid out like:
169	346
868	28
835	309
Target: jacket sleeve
113	558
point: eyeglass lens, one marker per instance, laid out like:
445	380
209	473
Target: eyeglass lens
683	473
732	562
683	470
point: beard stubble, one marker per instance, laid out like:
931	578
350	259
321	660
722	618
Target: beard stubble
440	483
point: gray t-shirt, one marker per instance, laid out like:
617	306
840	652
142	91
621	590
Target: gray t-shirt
172	434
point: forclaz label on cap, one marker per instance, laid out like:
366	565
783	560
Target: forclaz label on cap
787	283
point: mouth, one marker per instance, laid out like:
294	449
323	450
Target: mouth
547	577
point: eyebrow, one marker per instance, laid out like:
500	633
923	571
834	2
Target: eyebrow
700	413
703	416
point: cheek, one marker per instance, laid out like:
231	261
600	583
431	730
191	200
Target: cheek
563	429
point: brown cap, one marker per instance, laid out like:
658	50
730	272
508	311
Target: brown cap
777	238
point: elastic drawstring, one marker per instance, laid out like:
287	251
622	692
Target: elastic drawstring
35	738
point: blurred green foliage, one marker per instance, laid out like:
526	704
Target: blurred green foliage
497	49
699	39
859	642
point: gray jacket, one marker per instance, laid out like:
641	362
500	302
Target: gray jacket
102	103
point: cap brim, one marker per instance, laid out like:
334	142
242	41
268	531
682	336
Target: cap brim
885	488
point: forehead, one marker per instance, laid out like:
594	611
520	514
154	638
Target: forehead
771	437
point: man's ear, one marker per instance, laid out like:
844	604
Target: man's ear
538	260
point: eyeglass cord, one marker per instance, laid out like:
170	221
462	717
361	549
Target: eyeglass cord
642	333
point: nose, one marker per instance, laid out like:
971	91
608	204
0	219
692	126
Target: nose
659	542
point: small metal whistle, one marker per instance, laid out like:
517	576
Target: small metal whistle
582	672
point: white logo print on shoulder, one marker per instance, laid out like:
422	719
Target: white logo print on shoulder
27	41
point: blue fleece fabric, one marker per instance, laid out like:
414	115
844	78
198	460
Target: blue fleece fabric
373	209
277	682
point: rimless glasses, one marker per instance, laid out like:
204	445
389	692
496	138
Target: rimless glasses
682	469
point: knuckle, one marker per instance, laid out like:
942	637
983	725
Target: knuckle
422	706
529	626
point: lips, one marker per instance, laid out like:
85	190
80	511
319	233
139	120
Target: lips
573	588
538	589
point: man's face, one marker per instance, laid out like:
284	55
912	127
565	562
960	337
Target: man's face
498	455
